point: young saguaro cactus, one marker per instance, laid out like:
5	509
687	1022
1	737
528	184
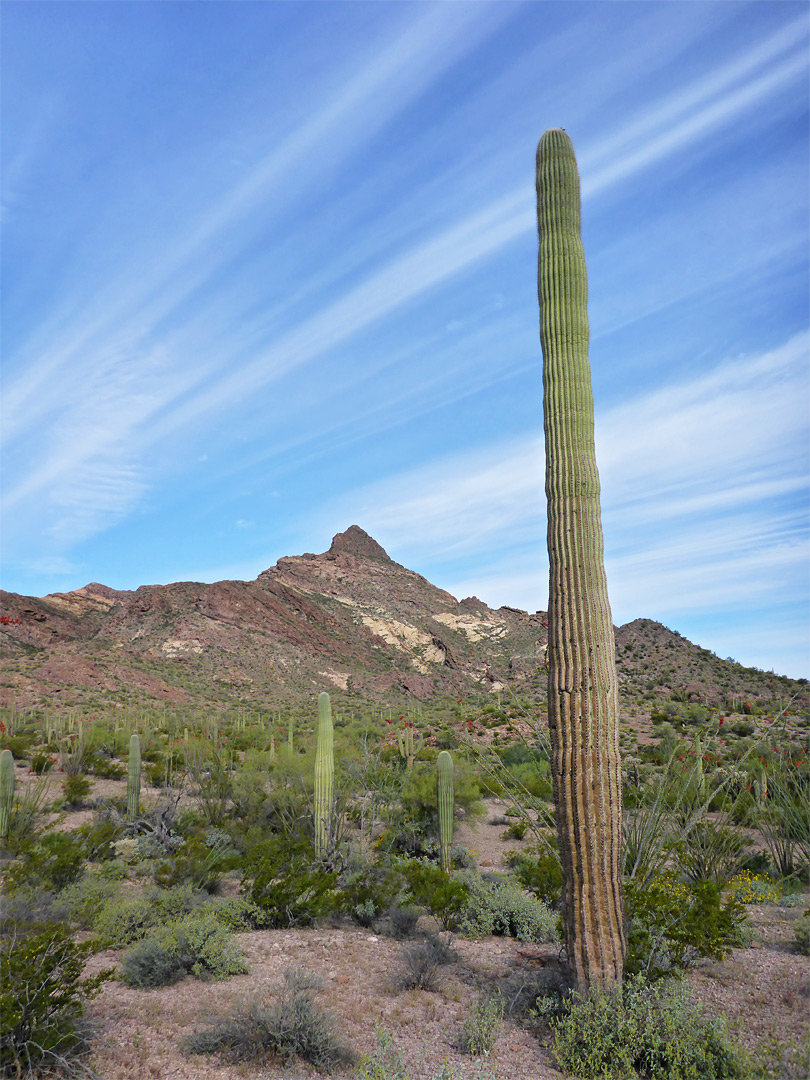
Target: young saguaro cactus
409	744
134	777
582	693
324	774
6	790
445	795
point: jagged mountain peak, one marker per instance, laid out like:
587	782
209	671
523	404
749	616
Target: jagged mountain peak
356	541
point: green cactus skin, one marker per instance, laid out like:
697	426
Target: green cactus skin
445	796
582	694
134	777
324	774
6	790
409	744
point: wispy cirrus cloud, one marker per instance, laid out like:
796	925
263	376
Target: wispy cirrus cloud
704	491
141	367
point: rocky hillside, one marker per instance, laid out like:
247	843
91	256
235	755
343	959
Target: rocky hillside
351	620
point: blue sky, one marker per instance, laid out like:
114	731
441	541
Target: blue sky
269	270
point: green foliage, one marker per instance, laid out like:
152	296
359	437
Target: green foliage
42	997
123	921
286	881
672	924
198	944
497	905
710	852
201	860
369	890
290	1026
445	897
76	790
482	1027
801	935
50	864
539	874
642	1031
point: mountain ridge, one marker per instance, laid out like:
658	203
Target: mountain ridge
351	620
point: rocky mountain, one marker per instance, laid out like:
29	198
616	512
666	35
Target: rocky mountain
350	620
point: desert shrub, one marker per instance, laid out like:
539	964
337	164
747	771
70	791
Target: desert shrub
150	964
801	935
516	830
710	852
290	1026
203	861
237	913
42	997
418	795
100	834
369	890
482	1027
671	924
420	962
50	864
751	888
642	1031
84	898
286	881
76	790
496	905
198	944
125	920
399	921
385	1063
540	874
42	762
431	887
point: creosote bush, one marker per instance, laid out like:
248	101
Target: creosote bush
482	1027
642	1030
496	905
198	945
42	997
291	1025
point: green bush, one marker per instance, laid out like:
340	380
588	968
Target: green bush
801	936
289	1027
42	997
495	905
642	1031
445	897
150	964
123	921
198	944
482	1027
672	923
76	789
53	862
285	880
540	874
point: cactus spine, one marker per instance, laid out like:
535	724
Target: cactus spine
6	790
324	774
409	745
134	777
582	694
445	794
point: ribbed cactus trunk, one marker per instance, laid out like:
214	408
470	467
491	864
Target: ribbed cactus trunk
324	774
6	791
446	796
582	692
134	777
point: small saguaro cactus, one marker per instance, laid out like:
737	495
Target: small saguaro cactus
583	703
445	792
409	743
324	774
134	777
290	731
6	790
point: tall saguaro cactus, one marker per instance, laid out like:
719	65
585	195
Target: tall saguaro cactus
324	773
6	791
445	795
134	777
582	692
